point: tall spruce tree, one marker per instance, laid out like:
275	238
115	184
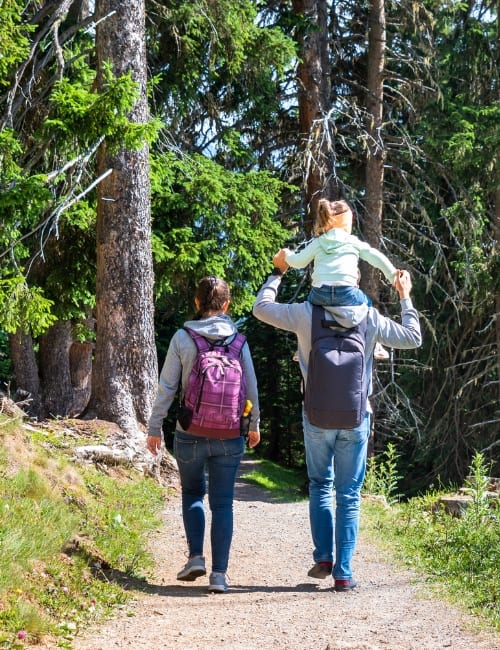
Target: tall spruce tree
124	376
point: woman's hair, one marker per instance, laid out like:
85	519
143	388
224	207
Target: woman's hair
328	213
211	293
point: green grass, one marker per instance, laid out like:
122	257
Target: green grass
459	556
71	538
284	484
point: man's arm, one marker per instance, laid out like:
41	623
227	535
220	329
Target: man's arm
284	316
406	335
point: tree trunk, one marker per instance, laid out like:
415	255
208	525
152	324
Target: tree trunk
313	97
65	371
125	372
27	381
372	226
497	295
78	11
57	393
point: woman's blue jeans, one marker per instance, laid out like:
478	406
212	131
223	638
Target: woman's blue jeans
220	459
335	457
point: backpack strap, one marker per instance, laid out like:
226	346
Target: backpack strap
238	342
235	341
202	344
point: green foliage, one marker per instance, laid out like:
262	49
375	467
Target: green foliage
382	475
24	308
210	220
14	38
80	113
459	553
222	67
41	221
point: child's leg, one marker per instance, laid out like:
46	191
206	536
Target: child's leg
322	296
337	296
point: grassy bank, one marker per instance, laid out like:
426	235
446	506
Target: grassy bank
71	536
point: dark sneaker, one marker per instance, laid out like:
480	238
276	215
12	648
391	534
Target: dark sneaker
345	585
320	570
218	582
194	568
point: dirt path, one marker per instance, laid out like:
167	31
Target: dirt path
273	604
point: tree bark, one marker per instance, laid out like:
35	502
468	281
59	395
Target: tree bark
372	225
57	393
497	294
313	97
125	369
27	381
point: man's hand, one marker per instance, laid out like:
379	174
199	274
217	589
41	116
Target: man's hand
279	260
403	284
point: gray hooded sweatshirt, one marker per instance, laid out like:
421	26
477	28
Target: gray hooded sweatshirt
296	317
179	360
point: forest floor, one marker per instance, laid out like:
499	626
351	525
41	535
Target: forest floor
272	603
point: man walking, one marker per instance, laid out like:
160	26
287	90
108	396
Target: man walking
337	454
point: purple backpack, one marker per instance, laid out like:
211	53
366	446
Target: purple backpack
216	390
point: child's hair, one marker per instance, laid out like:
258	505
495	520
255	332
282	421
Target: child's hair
328	213
211	293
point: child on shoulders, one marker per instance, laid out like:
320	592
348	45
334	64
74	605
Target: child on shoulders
336	252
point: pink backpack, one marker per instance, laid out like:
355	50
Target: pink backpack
216	391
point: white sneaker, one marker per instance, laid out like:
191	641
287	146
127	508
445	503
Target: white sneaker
218	582
195	567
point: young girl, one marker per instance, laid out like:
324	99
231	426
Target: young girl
336	253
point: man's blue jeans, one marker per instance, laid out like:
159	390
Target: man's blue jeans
335	456
221	458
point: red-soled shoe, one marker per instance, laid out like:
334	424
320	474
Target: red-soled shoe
345	585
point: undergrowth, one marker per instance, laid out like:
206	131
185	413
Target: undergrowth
459	556
71	537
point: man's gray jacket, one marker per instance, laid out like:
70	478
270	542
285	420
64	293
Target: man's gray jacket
296	317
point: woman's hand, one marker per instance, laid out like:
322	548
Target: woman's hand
253	439
153	443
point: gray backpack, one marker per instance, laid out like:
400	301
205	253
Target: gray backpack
336	388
